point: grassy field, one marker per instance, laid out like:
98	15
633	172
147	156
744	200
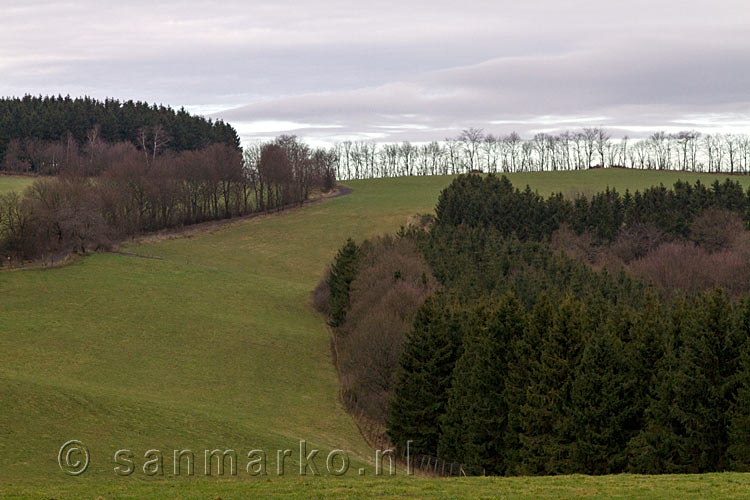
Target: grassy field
724	486
210	342
10	183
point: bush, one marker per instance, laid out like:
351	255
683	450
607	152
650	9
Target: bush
321	296
578	246
716	229
683	267
392	282
636	242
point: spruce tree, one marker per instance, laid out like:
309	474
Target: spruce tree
644	345
421	391
603	405
547	433
687	422
476	418
524	358
739	428
343	272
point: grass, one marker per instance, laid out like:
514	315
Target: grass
723	486
16	183
211	342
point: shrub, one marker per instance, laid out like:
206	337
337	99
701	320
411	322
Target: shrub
636	242
579	246
716	229
321	296
391	283
683	267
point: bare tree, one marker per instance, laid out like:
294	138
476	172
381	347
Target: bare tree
453	149
744	144
408	152
471	140
731	146
661	147
490	150
602	145
687	141
513	141
589	138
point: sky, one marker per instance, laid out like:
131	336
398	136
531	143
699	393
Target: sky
389	71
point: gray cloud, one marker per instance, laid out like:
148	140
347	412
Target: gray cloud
421	70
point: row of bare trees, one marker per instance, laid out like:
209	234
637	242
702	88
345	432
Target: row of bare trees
570	150
141	190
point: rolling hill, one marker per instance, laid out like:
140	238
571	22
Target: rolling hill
208	340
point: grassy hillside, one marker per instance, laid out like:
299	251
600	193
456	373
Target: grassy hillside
210	342
17	183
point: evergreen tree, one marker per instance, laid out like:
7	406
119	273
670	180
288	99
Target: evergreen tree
603	405
476	419
547	433
524	358
739	429
687	422
427	361
343	272
644	345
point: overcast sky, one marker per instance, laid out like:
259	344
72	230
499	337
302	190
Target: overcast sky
395	70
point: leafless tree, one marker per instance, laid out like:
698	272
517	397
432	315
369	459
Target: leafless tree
602	145
453	151
589	138
471	139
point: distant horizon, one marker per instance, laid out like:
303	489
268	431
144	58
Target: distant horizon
703	126
330	71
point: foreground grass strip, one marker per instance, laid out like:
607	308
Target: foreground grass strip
706	487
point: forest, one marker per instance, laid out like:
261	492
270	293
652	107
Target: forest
493	338
108	170
137	191
40	134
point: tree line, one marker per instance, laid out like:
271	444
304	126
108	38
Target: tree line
521	359
475	150
43	134
493	201
136	192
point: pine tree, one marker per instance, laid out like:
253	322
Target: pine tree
476	418
343	272
644	344
427	360
547	434
524	357
687	422
603	405
739	429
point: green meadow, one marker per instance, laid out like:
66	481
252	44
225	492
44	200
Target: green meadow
209	341
16	183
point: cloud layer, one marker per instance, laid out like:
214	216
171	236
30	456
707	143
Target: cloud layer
330	70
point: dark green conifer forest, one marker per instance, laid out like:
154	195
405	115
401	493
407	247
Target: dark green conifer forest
529	360
45	120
